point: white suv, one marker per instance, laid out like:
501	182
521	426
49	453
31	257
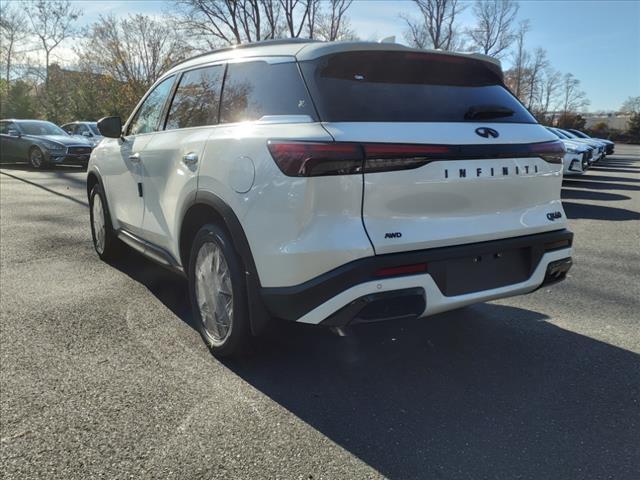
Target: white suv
330	183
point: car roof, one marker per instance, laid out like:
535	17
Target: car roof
304	49
23	120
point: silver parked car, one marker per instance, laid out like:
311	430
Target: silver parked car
88	130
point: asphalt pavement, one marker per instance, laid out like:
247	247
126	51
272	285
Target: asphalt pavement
102	374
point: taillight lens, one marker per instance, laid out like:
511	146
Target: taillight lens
551	152
313	159
382	157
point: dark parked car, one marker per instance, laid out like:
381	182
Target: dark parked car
41	144
88	130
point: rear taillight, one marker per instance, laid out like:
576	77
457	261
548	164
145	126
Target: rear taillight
313	159
551	152
382	157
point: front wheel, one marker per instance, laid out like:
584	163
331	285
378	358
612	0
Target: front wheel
36	158
218	293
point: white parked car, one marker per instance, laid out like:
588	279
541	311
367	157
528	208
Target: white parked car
331	183
87	130
599	147
578	157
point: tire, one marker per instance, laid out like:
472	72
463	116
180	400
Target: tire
106	244
37	159
216	277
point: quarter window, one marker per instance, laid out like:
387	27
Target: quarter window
197	98
147	117
255	89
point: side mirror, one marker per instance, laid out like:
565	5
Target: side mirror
86	134
110	127
14	133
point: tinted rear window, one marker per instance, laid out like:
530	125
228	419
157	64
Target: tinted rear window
406	87
255	89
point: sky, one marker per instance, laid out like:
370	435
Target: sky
596	40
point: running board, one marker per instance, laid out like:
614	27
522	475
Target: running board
149	250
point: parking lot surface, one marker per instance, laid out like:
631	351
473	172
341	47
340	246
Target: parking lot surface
102	374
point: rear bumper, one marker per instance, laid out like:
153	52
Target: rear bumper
354	291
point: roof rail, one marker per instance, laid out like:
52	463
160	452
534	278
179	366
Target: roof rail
276	41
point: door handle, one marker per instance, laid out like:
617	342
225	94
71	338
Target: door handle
134	158
190	159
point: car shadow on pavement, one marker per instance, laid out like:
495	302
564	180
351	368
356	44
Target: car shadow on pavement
489	391
598	212
591	195
597	185
168	287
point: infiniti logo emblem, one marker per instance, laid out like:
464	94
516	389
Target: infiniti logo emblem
487	132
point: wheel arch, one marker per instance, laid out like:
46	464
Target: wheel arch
207	207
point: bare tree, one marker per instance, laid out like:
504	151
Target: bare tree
437	28
229	22
334	24
312	17
534	75
573	99
52	21
520	59
134	50
493	32
292	10
549	91
631	105
14	32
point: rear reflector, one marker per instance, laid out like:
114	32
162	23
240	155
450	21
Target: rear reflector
312	159
560	244
402	270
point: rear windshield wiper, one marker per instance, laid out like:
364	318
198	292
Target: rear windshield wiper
479	112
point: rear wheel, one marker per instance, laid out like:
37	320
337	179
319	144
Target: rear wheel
105	241
218	293
36	158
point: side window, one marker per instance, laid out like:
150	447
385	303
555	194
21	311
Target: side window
80	129
147	117
254	89
197	97
6	126
70	129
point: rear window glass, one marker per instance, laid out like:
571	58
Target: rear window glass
409	87
197	98
255	89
